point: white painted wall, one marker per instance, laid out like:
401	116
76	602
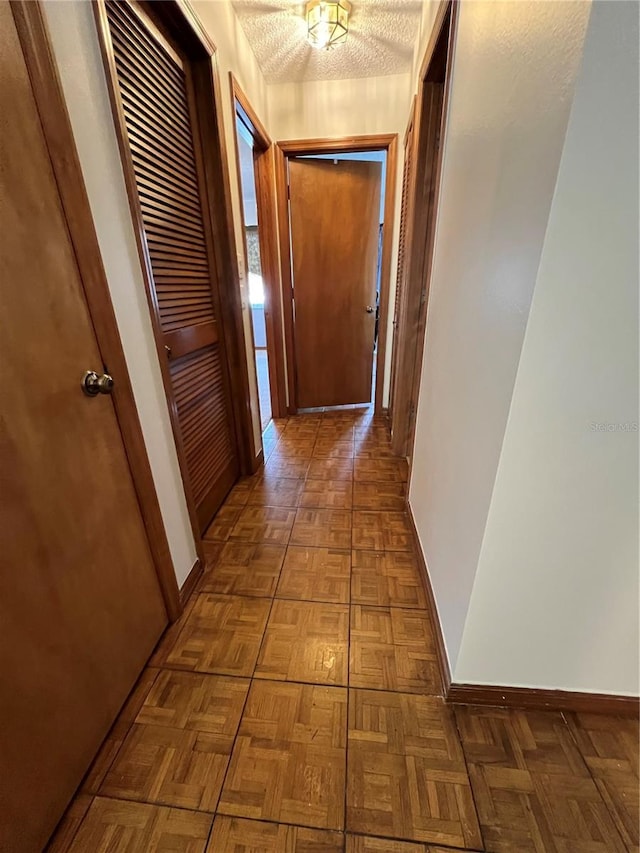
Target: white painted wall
513	78
355	107
77	53
555	598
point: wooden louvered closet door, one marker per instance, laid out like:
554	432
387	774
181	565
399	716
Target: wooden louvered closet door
156	99
407	178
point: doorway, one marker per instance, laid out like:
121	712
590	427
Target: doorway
254	267
255	168
335	203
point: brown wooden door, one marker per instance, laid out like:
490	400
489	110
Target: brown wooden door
335	226
156	103
80	604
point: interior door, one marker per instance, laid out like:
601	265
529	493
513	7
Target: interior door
80	604
335	224
155	100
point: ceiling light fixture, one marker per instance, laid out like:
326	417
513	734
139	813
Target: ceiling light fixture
327	22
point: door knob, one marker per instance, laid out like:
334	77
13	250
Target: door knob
92	384
369	309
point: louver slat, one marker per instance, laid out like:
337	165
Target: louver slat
154	99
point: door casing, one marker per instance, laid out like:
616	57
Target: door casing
305	147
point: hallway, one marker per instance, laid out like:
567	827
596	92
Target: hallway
299	694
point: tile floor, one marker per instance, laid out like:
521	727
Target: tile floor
295	707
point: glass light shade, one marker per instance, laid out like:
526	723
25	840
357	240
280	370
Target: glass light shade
327	22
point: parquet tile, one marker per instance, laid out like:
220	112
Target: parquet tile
212	551
327	494
382	531
322	528
306	641
239	494
406	775
223	523
222	634
276	491
610	747
386	578
178	749
393	649
367	844
329	448
389	497
532	788
237	835
245	569
288	762
311	584
380	471
280	466
115	826
330	469
315	574
270	525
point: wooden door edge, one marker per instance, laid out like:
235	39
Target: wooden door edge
299	147
58	133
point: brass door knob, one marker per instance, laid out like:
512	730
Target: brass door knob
369	309
92	384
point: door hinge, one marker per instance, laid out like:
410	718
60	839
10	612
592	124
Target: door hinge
288	191
412	411
423	297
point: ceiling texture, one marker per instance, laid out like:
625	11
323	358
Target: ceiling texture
381	38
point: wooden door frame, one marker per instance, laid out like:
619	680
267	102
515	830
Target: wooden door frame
58	133
263	159
406	210
177	19
421	245
299	147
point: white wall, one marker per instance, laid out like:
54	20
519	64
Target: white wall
77	53
355	107
555	598
513	77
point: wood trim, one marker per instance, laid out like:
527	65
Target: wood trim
268	236
543	700
259	460
191	582
282	209
441	650
297	147
69	178
259	132
385	269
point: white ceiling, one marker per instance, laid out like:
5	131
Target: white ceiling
381	38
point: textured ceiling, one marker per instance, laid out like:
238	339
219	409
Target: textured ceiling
381	37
